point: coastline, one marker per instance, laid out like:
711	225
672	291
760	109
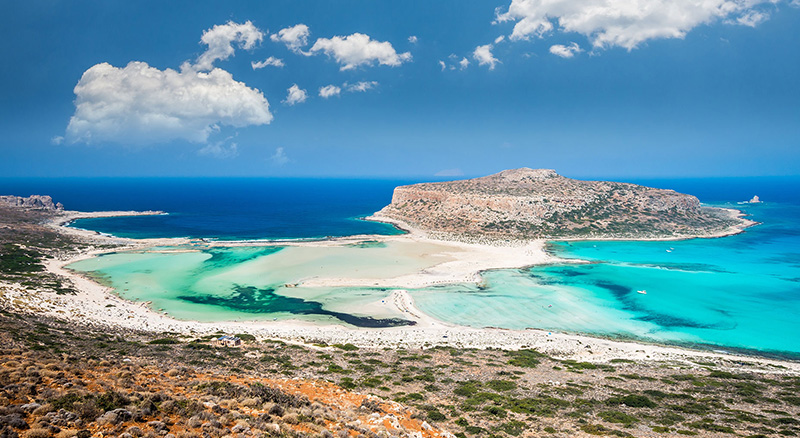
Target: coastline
732	230
96	305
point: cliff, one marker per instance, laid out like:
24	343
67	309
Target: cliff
539	203
38	202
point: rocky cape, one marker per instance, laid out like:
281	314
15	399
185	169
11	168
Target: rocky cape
35	202
539	203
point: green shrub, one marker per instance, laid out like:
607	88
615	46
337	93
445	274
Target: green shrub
513	427
497	411
434	414
334	368
501	385
594	429
708	424
725	375
346	347
111	400
164	341
525	358
347	383
617	417
575	365
467	389
633	400
541	406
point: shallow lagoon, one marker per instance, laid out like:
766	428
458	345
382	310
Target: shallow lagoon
735	292
246	283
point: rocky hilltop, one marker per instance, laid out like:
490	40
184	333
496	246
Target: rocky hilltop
539	203
38	202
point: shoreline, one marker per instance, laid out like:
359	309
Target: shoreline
732	230
98	306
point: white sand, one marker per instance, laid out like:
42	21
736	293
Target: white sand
96	305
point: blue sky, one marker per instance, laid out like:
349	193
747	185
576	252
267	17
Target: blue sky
592	88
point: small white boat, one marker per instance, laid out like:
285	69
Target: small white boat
643	292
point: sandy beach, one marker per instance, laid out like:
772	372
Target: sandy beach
96	305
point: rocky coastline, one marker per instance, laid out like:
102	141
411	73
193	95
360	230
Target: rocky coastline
524	203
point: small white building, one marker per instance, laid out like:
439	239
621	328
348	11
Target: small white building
227	341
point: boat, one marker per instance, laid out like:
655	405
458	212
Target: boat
643	292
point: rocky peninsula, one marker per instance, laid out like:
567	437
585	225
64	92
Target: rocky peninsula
528	203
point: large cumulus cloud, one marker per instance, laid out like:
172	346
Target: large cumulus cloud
140	104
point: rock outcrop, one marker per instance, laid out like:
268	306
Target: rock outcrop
38	202
539	203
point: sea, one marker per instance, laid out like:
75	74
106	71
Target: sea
738	293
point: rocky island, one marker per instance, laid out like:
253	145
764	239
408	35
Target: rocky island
539	203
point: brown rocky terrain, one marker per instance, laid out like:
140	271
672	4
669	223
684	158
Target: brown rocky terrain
539	203
41	202
62	380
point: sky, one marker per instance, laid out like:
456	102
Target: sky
372	88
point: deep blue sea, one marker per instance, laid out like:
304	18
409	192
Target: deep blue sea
738	292
221	208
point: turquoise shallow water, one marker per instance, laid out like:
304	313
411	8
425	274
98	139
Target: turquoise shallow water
735	292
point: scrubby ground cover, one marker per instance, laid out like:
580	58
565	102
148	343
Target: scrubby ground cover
61	379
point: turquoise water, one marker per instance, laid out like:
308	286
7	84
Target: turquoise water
738	292
195	282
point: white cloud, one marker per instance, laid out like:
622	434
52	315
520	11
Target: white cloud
220	149
444	66
413	39
449	172
565	51
752	18
499	39
57	140
294	37
295	95
279	158
483	54
623	23
464	63
360	86
358	49
219	40
139	104
329	90
271	61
